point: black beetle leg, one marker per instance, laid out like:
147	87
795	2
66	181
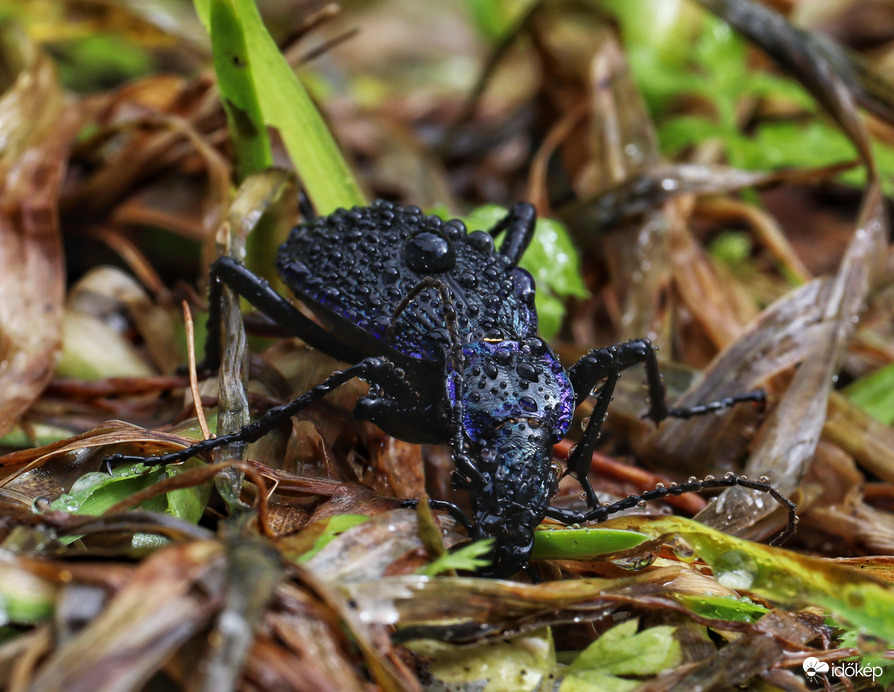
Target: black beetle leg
376	369
758	396
599	364
566	516
446	302
708	483
519	227
444	506
257	291
601	513
607	364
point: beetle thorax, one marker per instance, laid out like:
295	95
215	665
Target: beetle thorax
507	380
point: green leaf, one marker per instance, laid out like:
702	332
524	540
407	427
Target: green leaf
874	393
582	544
495	17
524	662
470	557
187	503
723	607
723	77
237	90
283	101
733	248
883	667
682	132
623	651
90	62
787	144
37	435
95	493
328	529
774	86
551	259
666	36
25	598
782	576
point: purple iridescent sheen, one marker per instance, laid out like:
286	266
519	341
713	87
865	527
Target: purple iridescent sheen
508	380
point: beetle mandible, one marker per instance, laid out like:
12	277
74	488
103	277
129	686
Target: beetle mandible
441	323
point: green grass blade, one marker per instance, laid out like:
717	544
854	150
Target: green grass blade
237	90
874	393
266	78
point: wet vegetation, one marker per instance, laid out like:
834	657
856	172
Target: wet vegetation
711	175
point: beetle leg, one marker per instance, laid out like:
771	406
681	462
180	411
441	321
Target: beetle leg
607	364
591	368
408	419
600	364
694	486
446	302
444	506
257	291
376	369
518	225
566	516
601	513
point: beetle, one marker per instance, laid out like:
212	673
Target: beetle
442	324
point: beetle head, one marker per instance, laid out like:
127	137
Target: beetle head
519	482
515	401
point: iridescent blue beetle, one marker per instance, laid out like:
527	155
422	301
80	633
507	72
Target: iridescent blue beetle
442	325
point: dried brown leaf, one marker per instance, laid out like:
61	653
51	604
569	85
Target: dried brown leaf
368	550
312	634
38	128
370	634
160	608
146	128
812	325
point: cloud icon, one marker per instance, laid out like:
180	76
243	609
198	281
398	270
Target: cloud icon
813	666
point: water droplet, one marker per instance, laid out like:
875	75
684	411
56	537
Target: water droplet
481	241
390	274
527	404
492	301
735	569
427	252
468	280
527	372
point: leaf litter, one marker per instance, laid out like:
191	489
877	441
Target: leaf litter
299	570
